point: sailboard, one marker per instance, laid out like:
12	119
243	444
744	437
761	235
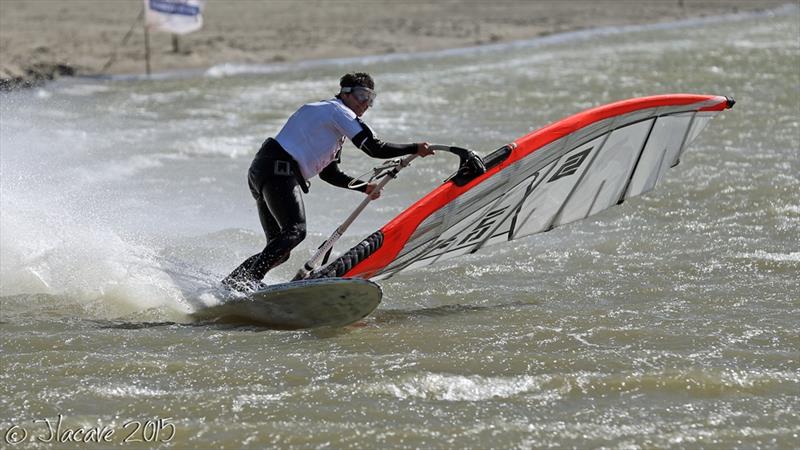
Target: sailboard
566	171
328	302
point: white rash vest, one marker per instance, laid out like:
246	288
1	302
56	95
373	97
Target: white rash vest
315	133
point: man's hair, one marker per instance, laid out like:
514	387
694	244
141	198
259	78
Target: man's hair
357	79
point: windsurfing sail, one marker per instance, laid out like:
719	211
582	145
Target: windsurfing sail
566	171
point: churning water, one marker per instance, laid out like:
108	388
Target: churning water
669	321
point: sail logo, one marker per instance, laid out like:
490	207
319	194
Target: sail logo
475	235
483	226
571	165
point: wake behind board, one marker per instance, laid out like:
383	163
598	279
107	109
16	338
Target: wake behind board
325	302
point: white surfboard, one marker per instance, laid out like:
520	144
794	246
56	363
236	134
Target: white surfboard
326	302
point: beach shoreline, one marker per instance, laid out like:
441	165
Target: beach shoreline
45	39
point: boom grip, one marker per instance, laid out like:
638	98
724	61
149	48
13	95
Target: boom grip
470	164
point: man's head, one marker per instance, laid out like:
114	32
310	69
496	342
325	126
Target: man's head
357	91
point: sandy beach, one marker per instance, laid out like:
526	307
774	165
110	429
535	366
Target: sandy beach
42	39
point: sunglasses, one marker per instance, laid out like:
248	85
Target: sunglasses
362	94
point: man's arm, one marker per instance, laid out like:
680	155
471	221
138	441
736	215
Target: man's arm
374	147
333	175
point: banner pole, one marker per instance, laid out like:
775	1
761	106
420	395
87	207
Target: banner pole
124	41
147	48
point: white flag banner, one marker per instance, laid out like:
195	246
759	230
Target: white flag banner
174	16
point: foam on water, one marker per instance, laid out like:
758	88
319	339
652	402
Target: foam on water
57	234
458	388
47	251
548	388
768	256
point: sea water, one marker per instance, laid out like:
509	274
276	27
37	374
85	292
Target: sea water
669	321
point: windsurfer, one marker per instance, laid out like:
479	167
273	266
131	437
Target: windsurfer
309	144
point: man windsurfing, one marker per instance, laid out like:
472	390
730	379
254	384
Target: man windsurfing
309	144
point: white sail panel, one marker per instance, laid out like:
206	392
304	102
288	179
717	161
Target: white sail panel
494	222
660	153
604	184
511	204
428	243
543	204
454	239
698	124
